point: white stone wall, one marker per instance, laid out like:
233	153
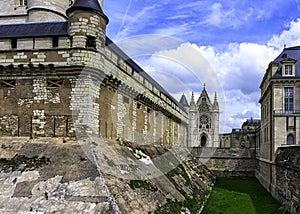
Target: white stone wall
83	104
43	94
40	90
36	43
38	122
38	13
41	43
40	10
133	123
120	117
216	122
10	8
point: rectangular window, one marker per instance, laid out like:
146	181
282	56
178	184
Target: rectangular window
14	43
23	2
71	41
55	41
288	69
289	100
91	42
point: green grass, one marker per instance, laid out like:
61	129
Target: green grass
236	195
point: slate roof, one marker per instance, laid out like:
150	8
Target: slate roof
291	52
48	29
34	29
138	69
183	101
251	122
90	5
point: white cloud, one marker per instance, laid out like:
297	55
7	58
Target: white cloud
290	37
216	15
240	66
229	17
237	69
187	64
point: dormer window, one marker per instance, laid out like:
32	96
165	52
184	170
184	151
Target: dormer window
288	70
288	67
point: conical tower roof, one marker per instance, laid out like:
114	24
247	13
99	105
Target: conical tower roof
183	101
89	5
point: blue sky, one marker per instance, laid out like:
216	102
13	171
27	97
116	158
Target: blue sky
234	40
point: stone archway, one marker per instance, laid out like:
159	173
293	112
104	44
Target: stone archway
290	140
203	141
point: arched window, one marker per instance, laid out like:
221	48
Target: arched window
290	139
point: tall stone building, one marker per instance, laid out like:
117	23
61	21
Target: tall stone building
203	120
280	111
59	70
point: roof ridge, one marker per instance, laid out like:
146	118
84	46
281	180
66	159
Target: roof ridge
34	23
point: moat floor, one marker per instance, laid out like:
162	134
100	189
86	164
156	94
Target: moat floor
236	195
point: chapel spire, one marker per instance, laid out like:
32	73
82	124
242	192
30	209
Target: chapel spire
215	105
192	100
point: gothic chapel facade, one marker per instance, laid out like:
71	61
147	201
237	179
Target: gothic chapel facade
203	120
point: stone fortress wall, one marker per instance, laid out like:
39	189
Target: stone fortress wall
47	90
235	156
43	88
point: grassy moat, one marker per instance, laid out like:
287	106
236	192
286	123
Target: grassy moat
236	195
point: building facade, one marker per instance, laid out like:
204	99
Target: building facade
203	120
280	124
280	103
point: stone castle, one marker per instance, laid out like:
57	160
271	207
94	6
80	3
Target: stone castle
57	65
59	71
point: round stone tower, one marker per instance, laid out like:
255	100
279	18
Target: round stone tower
87	25
44	11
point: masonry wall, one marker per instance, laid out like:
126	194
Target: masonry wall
31	108
239	138
228	161
94	90
282	178
12	12
17	11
